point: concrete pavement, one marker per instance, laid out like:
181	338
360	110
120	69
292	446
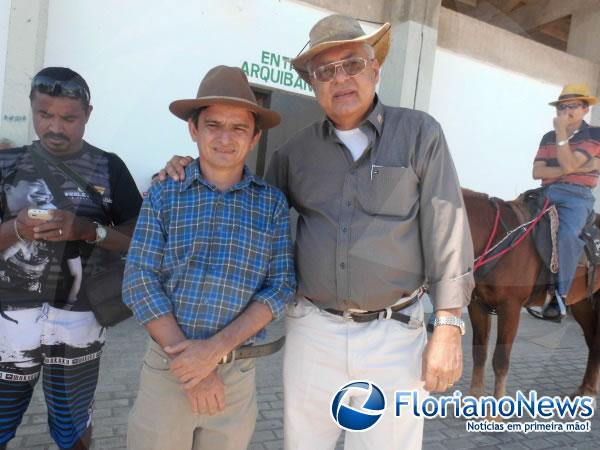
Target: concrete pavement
547	357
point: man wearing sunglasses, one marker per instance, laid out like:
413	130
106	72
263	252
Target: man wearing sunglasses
567	164
50	231
380	215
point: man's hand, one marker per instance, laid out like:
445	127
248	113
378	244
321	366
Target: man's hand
64	226
193	360
590	166
26	224
561	121
208	397
442	359
175	168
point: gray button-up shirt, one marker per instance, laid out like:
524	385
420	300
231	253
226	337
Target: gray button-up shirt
373	230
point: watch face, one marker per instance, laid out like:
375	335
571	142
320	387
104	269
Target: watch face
100	233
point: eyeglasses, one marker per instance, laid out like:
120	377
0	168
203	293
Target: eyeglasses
350	66
70	88
572	106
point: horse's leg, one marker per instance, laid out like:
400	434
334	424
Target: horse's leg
588	318
480	322
508	323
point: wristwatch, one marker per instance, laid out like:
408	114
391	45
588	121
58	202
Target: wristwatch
561	143
101	233
450	320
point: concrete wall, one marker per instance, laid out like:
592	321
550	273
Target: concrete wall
478	40
4	20
23	57
140	55
489	88
493	120
490	91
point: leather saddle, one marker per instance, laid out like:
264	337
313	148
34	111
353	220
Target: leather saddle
544	241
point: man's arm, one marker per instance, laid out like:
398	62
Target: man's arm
197	358
124	209
66	226
448	257
541	170
142	288
570	161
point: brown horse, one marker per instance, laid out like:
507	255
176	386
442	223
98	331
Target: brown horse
506	289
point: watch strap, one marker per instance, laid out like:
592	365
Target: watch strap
450	320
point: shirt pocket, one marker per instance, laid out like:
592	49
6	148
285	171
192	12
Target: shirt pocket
390	191
253	247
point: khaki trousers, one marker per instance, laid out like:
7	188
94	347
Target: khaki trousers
162	417
324	352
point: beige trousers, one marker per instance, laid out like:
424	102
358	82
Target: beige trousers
324	352
162	417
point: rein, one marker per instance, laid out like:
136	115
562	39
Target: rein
527	227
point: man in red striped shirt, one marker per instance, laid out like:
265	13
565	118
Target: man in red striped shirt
567	162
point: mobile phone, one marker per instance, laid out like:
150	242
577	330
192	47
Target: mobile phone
39	214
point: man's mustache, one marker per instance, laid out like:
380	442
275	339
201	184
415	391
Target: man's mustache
56	136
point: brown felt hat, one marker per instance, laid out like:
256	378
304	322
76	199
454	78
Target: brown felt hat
336	30
223	85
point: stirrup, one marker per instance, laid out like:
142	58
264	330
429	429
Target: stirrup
539	313
560	305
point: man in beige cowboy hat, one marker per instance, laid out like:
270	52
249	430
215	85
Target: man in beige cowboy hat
381	214
567	164
210	265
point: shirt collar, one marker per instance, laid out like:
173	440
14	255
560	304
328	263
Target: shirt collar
374	120
193	174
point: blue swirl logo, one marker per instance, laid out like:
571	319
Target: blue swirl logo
358	419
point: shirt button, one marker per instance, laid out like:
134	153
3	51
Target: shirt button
344	228
342	266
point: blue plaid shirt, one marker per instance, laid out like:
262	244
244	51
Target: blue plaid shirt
204	255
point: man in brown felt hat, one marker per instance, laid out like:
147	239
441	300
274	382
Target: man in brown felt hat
567	164
210	265
381	216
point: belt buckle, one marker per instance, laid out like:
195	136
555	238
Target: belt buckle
228	358
385	314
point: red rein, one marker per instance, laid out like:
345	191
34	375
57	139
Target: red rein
481	259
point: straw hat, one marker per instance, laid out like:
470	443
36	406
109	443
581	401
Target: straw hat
575	92
336	30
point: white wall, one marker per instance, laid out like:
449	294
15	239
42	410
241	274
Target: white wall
4	20
140	55
493	120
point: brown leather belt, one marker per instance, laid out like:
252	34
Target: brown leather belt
253	351
391	312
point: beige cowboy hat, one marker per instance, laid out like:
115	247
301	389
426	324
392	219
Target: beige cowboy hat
224	85
575	92
336	30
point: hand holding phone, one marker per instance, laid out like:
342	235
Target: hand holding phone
39	214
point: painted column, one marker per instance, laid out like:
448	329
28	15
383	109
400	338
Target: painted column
24	57
583	42
408	71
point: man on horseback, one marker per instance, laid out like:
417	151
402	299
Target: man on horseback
567	163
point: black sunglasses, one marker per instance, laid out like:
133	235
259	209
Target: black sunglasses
572	106
69	88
